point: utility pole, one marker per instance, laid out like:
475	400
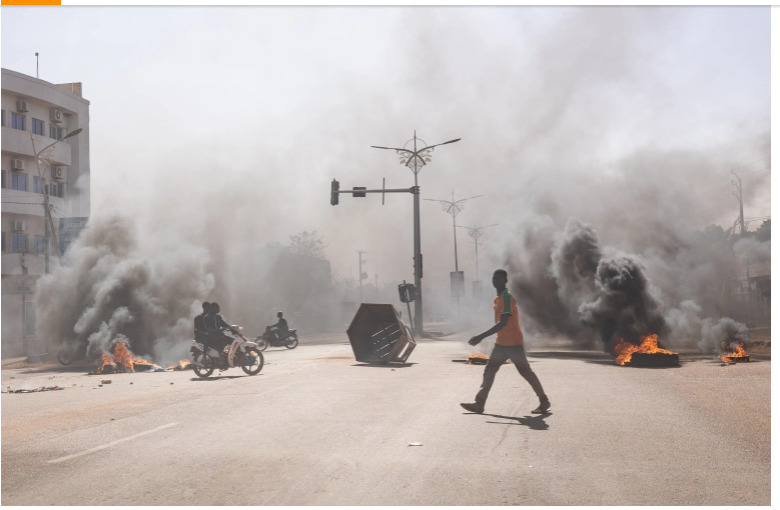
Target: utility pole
415	159
24	302
361	274
49	222
737	192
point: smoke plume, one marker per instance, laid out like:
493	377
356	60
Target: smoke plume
108	285
720	333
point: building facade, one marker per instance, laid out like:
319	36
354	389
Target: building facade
37	117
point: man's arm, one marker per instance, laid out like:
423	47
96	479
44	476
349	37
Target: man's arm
224	324
498	326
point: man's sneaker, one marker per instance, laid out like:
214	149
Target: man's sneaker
543	408
473	407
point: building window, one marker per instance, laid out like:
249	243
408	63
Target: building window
56	132
57	189
18	243
4	178
37	185
17	121
19	182
37	127
38	244
3	118
3	242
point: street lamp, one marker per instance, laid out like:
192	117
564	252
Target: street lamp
476	233
453	208
49	222
416	159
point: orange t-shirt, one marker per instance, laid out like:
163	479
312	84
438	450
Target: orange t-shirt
505	304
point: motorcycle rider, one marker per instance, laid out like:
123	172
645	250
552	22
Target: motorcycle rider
200	328
215	325
280	329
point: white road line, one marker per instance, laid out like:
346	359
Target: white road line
112	443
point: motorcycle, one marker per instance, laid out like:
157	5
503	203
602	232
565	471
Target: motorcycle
240	353
289	340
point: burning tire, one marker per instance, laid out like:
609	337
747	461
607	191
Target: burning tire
252	361
292	341
206	369
641	359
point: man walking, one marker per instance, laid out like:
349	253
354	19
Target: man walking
509	345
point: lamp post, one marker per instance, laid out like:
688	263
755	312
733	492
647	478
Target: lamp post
476	233
415	159
453	208
49	222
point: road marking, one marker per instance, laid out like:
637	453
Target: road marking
112	443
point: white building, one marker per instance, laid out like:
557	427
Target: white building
36	114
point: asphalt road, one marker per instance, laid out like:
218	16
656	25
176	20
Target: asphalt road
315	427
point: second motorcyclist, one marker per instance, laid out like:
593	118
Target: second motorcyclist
280	329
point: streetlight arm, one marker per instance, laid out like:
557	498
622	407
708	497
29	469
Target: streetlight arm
392	149
418	151
436	145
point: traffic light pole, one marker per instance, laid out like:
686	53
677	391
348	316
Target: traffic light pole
414	160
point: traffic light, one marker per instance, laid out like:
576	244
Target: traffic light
358	191
334	192
407	292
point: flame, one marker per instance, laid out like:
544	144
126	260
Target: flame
107	366
474	356
479	359
183	364
121	355
733	351
623	349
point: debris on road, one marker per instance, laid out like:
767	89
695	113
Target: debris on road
35	390
415	444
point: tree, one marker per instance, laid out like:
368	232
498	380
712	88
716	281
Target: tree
301	280
763	233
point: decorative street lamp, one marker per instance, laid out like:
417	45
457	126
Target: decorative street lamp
415	159
476	233
453	208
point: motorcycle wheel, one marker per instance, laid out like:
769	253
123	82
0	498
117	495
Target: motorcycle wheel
253	361
262	343
204	371
66	355
292	341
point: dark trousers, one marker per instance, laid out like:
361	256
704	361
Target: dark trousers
498	357
217	340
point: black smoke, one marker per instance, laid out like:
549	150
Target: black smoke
625	306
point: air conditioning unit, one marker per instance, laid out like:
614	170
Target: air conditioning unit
21	105
17	165
58	172
17	225
56	115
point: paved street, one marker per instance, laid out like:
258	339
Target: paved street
318	428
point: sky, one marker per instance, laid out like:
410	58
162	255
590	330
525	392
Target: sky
225	125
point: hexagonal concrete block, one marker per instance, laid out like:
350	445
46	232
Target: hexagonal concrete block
378	335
